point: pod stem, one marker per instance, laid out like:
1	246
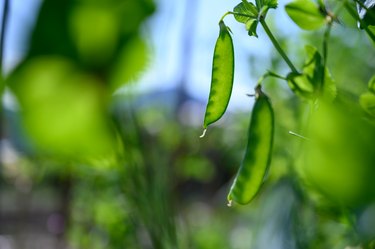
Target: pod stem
227	13
270	74
325	43
277	45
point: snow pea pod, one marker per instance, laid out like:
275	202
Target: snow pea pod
222	77
257	158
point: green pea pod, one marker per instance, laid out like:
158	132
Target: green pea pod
222	77
258	152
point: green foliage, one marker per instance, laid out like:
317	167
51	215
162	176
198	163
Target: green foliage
315	81
306	14
371	84
333	160
247	13
136	177
367	99
63	109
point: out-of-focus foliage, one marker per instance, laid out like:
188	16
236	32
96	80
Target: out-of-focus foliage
80	53
128	172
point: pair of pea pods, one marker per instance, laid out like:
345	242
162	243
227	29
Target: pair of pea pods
257	157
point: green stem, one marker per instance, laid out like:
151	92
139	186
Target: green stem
354	14
275	75
327	34
269	74
360	3
239	14
222	18
277	46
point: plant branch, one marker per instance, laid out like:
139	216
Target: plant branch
238	14
354	14
327	34
363	6
277	46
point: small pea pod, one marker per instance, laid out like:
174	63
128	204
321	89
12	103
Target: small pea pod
258	152
222	77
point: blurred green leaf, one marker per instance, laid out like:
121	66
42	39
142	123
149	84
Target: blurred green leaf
63	108
306	14
315	81
196	168
132	59
367	101
96	46
340	153
300	85
371	84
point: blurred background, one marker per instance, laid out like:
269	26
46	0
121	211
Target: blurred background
101	117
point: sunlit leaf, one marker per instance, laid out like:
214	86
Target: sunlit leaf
306	14
270	3
95	46
339	158
301	85
63	109
131	61
315	81
246	11
251	26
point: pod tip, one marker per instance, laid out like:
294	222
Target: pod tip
229	204
203	134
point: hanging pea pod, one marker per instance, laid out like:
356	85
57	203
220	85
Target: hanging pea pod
222	77
258	152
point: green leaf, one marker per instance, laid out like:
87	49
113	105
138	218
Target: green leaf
63	109
329	87
305	14
271	4
246	11
315	80
251	26
268	4
131	62
321	78
300	85
312	64
371	84
367	101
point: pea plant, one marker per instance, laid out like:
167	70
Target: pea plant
313	83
